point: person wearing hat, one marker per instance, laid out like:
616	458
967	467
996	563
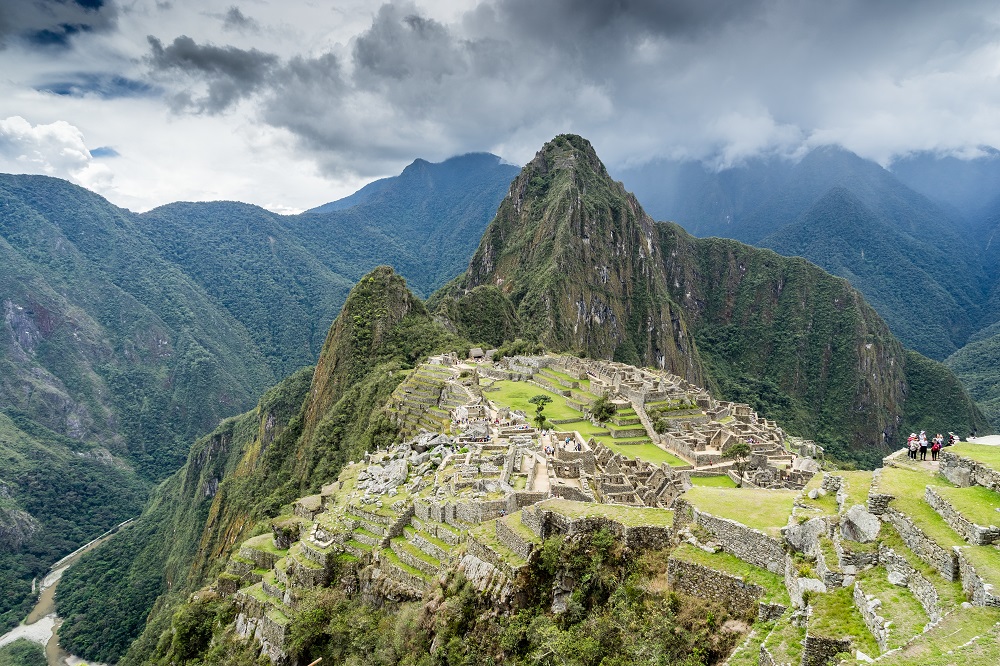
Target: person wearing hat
911	445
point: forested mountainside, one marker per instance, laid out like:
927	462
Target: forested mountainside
573	261
299	436
847	215
127	336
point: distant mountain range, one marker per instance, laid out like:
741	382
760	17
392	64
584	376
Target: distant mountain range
919	239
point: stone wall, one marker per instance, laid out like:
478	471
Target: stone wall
819	650
978	590
513	540
869	607
967	472
546	523
977	535
942	559
878	502
738	596
750	545
900	572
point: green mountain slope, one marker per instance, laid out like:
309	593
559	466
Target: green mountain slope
767	201
300	434
575	255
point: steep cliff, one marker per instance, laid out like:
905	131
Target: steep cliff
577	257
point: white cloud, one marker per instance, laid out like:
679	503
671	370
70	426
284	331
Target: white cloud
53	149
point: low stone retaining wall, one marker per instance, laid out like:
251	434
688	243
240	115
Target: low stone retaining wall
547	523
514	541
977	535
750	545
942	559
869	607
978	590
428	547
878	502
412	560
400	576
738	596
965	472
819	650
900	571
486	554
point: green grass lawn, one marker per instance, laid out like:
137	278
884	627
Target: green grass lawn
858	484
717	481
908	487
984	453
649	452
765	510
951	642
834	615
899	605
785	641
517	394
978	504
627	515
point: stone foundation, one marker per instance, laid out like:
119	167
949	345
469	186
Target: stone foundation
738	596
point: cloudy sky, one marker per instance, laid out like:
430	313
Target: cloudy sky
292	103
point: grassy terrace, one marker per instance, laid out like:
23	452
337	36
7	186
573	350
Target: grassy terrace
858	484
649	452
978	504
584	383
389	556
988	455
513	522
986	561
517	394
908	486
486	534
765	510
824	505
952	641
264	542
774	585
950	593
716	481
834	615
409	531
785	641
898	605
631	516
748	653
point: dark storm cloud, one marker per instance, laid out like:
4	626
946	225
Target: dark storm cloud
53	23
228	72
236	20
104	85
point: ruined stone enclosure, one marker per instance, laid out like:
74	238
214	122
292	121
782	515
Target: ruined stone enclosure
888	564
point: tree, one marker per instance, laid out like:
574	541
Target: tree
540	401
740	454
603	409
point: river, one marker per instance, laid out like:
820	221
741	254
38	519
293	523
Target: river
42	624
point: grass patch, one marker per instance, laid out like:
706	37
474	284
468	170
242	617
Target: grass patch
716	481
416	552
950	593
765	510
829	553
907	484
898	605
631	516
907	487
785	641
978	504
857	484
773	584
513	522
486	534
834	615
649	452
825	503
748	652
948	643
265	543
517	394
982	453
986	561
389	556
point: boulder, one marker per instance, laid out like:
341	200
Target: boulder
860	525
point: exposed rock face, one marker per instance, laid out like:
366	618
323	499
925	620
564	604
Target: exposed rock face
16	527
